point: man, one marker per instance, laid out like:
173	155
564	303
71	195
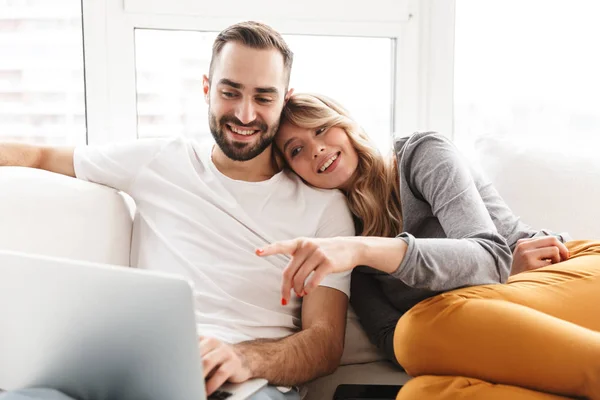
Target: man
202	211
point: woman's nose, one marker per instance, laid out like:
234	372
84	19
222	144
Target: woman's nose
318	150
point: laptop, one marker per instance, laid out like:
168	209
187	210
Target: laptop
100	332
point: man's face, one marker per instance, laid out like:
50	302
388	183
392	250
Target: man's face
245	98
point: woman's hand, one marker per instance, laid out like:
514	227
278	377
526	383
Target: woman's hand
321	256
538	252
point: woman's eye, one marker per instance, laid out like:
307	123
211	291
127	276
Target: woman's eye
295	151
320	130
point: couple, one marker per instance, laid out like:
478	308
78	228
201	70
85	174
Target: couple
253	209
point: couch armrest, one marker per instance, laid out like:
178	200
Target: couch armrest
46	213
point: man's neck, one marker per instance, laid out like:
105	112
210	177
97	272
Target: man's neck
260	168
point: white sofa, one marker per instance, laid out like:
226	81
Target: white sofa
553	187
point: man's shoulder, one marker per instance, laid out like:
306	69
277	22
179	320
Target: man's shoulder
154	145
175	143
179	147
325	195
326	209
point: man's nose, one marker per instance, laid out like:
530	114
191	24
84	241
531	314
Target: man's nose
245	112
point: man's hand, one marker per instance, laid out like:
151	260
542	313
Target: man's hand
221	363
319	257
539	252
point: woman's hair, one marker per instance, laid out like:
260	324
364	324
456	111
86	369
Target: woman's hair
373	194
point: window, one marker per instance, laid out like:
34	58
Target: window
527	68
170	64
41	72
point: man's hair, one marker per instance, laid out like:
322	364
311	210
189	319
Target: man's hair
254	35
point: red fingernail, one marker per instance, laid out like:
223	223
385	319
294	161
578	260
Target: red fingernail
304	293
283	302
259	252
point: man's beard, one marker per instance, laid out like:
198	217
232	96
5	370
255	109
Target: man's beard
240	151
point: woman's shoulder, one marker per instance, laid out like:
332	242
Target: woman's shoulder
424	151
419	140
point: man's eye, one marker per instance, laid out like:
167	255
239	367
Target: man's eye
263	100
295	151
228	94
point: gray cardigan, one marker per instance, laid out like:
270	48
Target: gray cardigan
458	229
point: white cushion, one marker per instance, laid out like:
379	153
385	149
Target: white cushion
357	347
46	213
549	184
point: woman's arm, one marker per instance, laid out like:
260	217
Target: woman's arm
474	252
320	257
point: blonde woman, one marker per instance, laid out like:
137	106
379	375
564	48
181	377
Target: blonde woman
431	225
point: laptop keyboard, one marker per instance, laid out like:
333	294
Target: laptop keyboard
220	395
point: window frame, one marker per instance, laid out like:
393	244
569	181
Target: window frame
422	72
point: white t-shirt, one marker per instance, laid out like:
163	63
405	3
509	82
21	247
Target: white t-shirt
194	221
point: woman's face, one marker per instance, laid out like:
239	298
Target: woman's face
323	157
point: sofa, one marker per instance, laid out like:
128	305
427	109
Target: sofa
554	186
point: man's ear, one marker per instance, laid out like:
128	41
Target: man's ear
206	88
288	95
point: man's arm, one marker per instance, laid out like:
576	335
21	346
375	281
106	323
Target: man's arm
53	159
314	351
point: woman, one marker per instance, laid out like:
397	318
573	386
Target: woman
431	224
